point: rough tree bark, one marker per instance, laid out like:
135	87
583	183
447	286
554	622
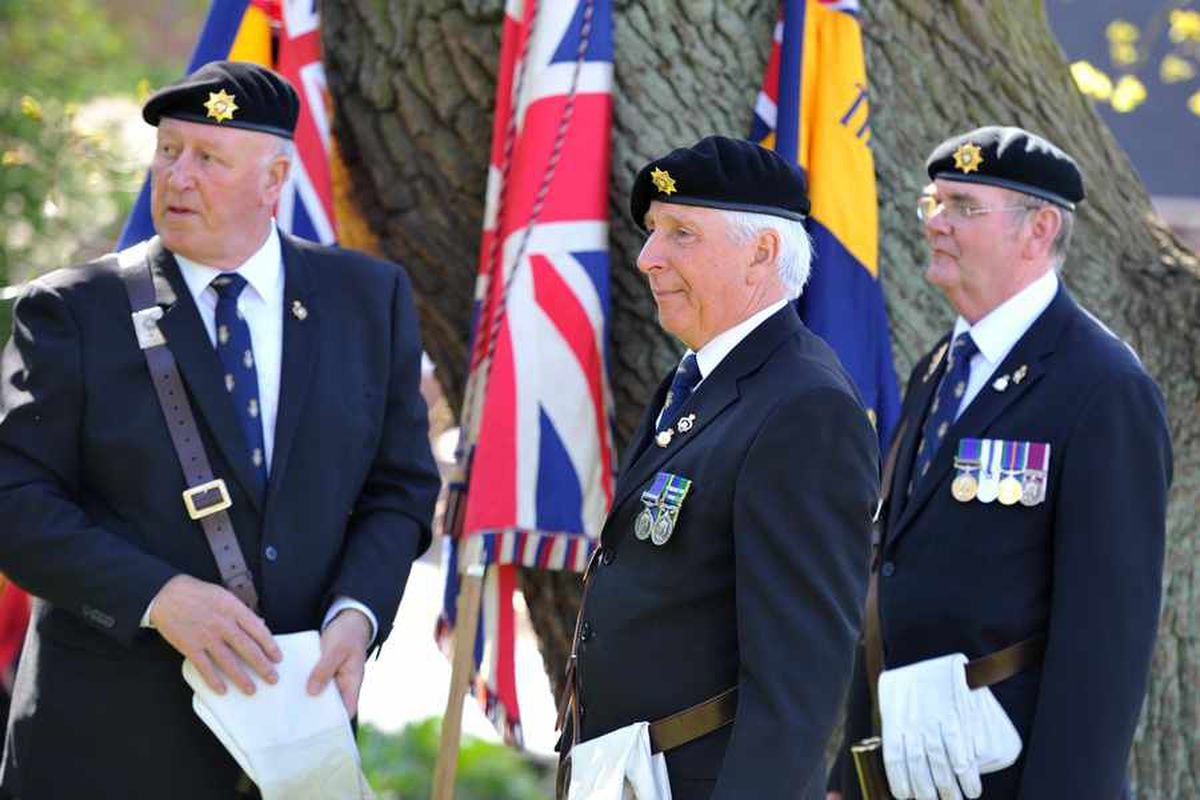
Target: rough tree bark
413	83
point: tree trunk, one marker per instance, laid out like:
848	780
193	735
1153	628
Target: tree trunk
414	82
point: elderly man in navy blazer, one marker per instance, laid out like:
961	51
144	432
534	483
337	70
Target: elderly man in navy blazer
301	364
1019	573
733	566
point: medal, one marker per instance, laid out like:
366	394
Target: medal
965	486
1037	464
652	502
989	473
663	528
643	524
1014	455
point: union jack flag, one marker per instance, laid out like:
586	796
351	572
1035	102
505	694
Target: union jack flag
283	35
535	475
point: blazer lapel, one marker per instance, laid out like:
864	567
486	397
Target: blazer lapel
301	334
714	394
199	364
916	404
1032	352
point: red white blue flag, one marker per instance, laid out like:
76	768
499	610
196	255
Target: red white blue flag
285	36
535	476
814	109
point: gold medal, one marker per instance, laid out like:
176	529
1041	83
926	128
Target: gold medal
964	487
1010	491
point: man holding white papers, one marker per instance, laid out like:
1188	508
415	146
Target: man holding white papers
300	366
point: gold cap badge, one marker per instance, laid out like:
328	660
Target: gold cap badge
662	180
967	158
220	105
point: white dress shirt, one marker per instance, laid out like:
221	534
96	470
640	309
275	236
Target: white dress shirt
261	305
721	345
714	352
997	333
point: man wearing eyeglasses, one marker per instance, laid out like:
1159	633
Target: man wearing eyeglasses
1017	581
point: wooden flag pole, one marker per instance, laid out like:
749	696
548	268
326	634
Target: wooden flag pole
462	666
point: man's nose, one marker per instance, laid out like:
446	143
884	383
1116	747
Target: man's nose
649	257
179	174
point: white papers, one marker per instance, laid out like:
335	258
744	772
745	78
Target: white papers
292	745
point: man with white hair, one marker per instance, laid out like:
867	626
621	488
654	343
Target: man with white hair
205	441
733	566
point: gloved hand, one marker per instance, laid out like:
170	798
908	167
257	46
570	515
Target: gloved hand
929	730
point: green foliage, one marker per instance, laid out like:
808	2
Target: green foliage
400	766
65	177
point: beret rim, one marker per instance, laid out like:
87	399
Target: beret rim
1004	183
724	205
155	118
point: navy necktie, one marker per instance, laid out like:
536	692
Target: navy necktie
241	374
945	404
685	380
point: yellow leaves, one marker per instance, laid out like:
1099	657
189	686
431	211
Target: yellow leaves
1185	26
1193	104
143	91
1122	42
1121	31
31	108
1128	94
1092	81
1174	69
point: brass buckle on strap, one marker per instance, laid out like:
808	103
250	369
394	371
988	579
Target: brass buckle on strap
206	499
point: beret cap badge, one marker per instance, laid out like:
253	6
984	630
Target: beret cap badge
663	181
967	158
220	105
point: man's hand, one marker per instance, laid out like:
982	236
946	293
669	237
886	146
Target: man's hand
216	632
344	644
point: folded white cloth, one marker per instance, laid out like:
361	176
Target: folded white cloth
939	735
619	766
292	745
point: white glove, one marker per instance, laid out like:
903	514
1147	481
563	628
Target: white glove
619	766
928	721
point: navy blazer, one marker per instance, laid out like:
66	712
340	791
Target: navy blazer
90	494
761	585
1084	568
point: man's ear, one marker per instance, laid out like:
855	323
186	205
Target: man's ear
766	255
276	177
1044	226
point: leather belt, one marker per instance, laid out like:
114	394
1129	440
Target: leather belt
1003	664
206	498
692	723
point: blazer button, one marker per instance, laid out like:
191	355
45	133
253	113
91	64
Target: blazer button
271	553
888	569
606	556
585	631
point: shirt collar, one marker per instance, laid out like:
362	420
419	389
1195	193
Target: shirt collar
997	333
711	354
263	271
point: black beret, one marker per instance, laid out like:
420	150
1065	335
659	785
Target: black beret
231	94
1012	158
719	172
